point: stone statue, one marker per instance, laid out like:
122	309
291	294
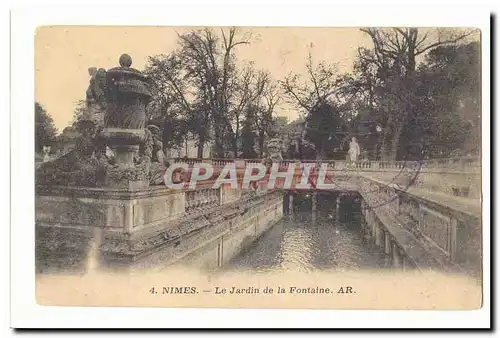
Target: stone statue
274	151
152	150
115	149
46	151
96	95
354	150
77	167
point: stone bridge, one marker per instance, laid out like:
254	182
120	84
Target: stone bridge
456	176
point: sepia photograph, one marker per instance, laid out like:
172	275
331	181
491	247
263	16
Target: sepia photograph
258	167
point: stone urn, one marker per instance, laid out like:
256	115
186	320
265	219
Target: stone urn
125	118
127	94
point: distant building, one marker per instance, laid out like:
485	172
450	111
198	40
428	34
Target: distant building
189	149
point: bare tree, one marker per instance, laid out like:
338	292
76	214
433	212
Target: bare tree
319	83
251	98
318	92
200	78
211	62
264	113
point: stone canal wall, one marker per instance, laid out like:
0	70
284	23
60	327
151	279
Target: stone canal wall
147	229
237	235
415	231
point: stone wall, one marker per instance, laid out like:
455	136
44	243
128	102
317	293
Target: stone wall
115	210
417	231
147	229
61	249
238	235
435	180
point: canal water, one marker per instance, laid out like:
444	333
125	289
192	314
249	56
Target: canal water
296	244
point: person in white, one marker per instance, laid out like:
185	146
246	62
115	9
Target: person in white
354	150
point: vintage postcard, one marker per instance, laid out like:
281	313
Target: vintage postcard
258	167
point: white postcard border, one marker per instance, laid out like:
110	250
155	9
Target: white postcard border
24	310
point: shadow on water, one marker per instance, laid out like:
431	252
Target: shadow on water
296	244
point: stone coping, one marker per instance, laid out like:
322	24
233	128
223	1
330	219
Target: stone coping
453	204
456	204
108	193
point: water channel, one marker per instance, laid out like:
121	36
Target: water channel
333	242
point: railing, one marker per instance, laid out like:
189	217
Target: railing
190	161
390	164
446	163
253	161
459	163
201	199
450	234
221	162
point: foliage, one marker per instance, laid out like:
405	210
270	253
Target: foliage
450	83
82	119
45	130
324	126
388	83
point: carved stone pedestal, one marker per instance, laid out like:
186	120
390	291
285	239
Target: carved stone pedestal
125	173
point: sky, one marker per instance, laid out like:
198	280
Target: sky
63	55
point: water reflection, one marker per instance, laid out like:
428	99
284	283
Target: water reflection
298	245
296	250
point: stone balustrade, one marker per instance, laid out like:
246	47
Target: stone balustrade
455	163
189	161
220	162
423	232
135	224
462	163
253	161
457	177
201	199
452	234
418	228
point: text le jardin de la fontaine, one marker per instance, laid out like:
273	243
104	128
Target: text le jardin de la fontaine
251	290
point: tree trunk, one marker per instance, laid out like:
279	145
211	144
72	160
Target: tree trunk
261	144
202	137
235	138
319	159
219	142
235	145
218	135
395	143
385	147
201	146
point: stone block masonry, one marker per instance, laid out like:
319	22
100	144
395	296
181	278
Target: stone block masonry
147	229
